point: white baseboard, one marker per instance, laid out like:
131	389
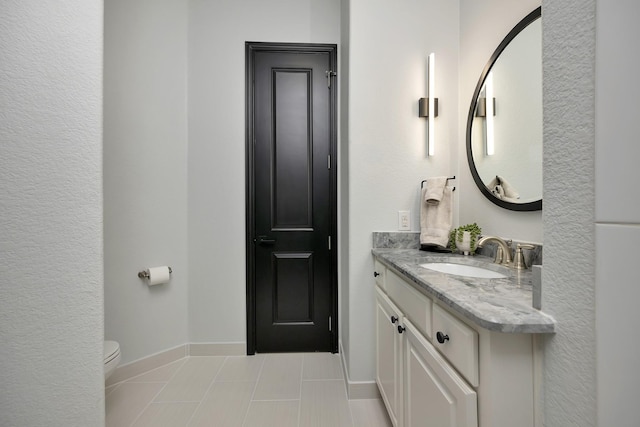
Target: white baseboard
140	366
358	389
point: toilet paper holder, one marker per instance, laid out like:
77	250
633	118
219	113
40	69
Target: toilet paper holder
144	274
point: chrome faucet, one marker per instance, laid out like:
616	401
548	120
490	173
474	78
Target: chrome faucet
503	254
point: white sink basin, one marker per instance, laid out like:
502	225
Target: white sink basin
463	270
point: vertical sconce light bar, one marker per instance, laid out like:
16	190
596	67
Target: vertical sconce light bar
489	115
428	107
432	108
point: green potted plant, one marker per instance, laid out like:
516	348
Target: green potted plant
464	238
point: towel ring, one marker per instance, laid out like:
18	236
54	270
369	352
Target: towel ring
424	180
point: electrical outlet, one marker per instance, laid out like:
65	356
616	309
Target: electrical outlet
404	220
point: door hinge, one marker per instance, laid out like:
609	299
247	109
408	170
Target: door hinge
329	161
329	242
330	74
329	323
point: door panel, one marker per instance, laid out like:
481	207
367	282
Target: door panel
293	149
291	202
293	301
389	357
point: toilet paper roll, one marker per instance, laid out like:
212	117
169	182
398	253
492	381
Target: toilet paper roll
158	275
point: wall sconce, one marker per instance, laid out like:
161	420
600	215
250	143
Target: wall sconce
488	111
428	107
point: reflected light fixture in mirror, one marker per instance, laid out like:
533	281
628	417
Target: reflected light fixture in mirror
489	115
487	111
428	107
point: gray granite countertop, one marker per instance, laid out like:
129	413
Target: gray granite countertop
502	305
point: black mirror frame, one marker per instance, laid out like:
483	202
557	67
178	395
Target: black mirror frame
529	206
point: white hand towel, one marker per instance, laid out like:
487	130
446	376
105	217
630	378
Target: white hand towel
436	220
435	189
502	189
509	191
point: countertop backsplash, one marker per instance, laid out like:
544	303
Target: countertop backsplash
396	239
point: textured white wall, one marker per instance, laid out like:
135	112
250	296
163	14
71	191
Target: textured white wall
217	35
51	304
569	207
145	173
388	47
483	25
617	212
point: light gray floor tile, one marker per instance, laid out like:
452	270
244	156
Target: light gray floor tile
322	366
324	403
166	414
192	380
161	374
126	402
210	391
280	377
225	404
241	368
369	413
271	413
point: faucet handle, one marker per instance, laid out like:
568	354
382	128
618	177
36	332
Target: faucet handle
499	259
519	262
499	255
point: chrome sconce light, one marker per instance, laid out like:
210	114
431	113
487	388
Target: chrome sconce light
487	108
428	107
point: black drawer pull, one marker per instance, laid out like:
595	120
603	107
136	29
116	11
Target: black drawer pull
442	337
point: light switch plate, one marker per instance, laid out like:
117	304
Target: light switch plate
404	220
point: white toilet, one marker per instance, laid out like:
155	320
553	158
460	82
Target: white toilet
111	357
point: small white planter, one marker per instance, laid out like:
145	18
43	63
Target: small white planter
465	246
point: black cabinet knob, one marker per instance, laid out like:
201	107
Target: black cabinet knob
441	337
401	329
394	319
376	274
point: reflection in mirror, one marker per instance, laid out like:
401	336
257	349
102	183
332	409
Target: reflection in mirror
504	130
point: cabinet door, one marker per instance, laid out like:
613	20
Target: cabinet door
434	394
388	356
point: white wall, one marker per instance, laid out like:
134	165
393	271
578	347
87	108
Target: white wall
617	210
218	31
569	273
483	25
343	179
51	304
388	47
145	174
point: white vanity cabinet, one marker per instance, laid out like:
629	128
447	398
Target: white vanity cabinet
435	369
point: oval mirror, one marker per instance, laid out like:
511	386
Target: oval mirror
504	127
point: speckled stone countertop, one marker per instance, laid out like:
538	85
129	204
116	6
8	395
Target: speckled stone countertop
501	305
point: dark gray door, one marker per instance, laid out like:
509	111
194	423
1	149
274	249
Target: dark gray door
292	211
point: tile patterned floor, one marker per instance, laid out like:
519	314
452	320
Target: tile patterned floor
274	390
